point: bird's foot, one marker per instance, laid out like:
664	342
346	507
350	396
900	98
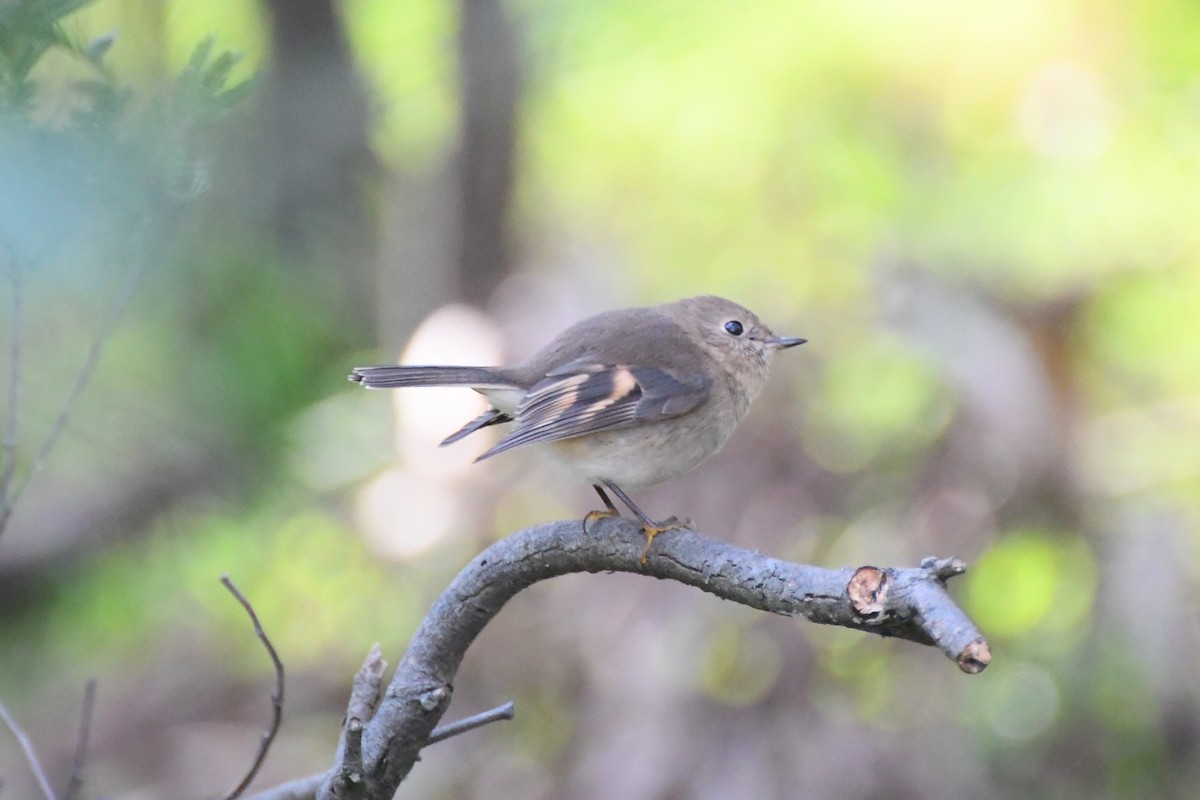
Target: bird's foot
654	529
593	516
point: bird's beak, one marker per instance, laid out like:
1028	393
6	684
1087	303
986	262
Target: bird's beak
782	342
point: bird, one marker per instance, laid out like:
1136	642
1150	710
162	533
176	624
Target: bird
626	398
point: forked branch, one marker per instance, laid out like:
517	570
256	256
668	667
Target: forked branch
907	603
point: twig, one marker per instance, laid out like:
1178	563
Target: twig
364	697
75	782
368	683
351	775
82	379
30	754
444	732
12	417
268	735
299	789
350	780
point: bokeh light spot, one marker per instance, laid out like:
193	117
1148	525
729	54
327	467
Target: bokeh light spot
1023	701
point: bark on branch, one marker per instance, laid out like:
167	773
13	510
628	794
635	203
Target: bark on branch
907	603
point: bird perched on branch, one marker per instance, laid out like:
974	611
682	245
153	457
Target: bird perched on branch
630	398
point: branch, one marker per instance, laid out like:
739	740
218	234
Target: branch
75	780
14	488
368	684
364	697
299	789
905	603
349	781
268	735
444	732
30	754
8	451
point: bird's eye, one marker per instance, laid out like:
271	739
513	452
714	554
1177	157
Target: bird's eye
734	327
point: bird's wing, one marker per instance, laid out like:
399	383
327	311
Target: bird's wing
584	396
493	416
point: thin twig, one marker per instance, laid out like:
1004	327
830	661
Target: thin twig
75	782
268	735
351	777
443	732
12	417
30	754
82	379
299	789
368	684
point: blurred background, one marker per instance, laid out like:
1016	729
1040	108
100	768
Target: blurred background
984	217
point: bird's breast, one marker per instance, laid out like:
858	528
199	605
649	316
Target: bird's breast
641	455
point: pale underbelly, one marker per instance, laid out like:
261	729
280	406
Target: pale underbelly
627	459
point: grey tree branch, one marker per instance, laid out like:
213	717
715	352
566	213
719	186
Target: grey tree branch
75	779
268	736
364	697
299	789
368	685
907	603
444	732
30	754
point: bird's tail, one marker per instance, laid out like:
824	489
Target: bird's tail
395	377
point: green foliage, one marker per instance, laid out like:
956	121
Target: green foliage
203	85
95	178
82	163
28	30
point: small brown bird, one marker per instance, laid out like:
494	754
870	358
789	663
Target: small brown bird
631	397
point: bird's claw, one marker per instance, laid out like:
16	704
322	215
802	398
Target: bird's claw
669	524
592	516
650	528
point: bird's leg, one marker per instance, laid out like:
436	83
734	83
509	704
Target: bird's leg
649	526
610	509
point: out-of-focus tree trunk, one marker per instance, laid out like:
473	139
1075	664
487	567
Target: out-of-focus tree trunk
314	158
489	65
448	236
